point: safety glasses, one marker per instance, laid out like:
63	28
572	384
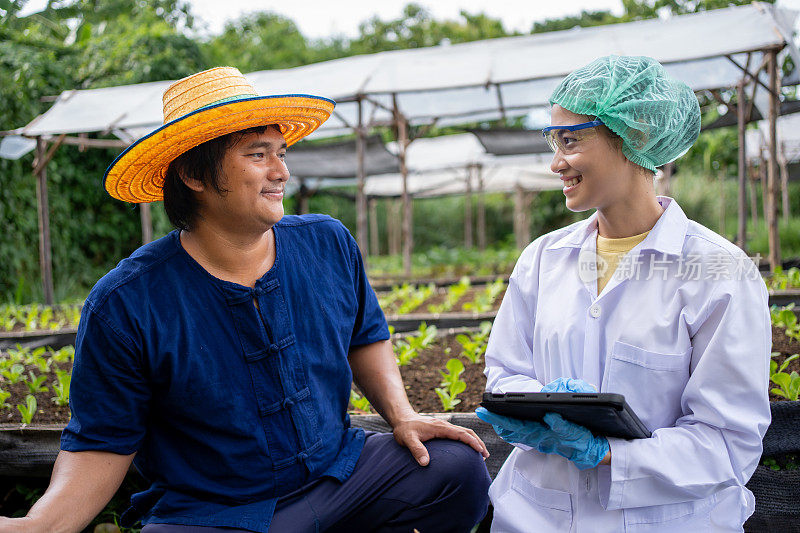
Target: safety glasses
568	138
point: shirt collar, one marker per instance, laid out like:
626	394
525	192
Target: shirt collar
667	235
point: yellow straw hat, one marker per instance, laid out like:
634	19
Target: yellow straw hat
199	108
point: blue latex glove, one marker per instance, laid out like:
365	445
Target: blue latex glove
574	442
568	385
516	431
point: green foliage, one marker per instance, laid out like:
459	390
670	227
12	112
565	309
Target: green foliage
359	402
452	385
454	294
416	298
786	319
3	397
28	410
35	384
780	280
14	374
484	300
407	349
474	346
788	384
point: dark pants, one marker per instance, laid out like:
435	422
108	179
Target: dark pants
388	492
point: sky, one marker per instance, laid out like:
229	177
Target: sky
323	18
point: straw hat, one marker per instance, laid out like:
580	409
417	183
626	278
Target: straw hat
199	108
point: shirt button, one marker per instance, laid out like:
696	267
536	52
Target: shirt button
301	457
595	311
273	349
288	402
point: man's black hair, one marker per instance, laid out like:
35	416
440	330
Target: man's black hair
203	163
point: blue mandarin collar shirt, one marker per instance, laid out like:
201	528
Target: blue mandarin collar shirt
228	405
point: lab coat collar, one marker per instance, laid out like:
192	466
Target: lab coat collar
667	235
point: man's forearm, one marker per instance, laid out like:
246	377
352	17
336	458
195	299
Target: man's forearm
81	485
376	374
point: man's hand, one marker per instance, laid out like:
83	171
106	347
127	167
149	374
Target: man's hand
413	431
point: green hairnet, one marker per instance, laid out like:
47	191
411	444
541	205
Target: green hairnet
657	117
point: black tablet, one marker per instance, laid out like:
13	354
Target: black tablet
604	414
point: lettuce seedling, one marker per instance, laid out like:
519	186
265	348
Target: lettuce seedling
61	387
35	384
452	385
13	374
3	397
28	410
404	353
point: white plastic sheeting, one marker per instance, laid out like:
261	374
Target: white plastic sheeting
441	166
480	80
788	126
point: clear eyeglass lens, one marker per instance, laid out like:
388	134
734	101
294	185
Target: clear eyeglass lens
568	142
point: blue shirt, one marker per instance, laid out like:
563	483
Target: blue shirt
229	406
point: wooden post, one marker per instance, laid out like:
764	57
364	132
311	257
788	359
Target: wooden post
772	170
374	243
361	175
762	176
784	165
522	232
741	205
302	198
468	209
392	228
752	177
402	144
481	208
147	223
43	209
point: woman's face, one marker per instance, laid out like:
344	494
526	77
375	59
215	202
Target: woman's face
595	173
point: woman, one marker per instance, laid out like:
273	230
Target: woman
637	300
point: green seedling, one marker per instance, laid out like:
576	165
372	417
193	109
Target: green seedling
360	402
452	385
424	337
416	298
404	353
484	300
61	387
28	410
3	397
788	385
454	294
473	347
64	355
35	384
13	374
784	318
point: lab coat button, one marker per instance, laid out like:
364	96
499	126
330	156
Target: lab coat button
595	311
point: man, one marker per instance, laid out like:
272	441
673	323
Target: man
219	358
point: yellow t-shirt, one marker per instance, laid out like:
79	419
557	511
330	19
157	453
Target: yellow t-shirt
610	252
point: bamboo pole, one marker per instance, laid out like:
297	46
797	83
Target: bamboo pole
772	170
468	209
402	144
361	175
481	208
741	205
43	210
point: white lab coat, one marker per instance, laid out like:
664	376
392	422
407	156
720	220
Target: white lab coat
690	352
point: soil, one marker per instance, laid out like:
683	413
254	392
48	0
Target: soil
421	377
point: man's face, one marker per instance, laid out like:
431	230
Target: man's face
254	175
